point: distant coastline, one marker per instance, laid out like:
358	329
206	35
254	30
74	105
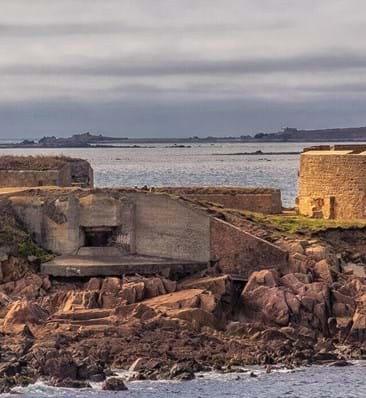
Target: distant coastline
88	140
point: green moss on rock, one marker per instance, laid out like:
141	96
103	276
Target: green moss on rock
295	224
29	248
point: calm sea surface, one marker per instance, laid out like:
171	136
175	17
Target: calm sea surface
201	164
312	382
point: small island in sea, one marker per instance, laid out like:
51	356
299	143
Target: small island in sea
89	140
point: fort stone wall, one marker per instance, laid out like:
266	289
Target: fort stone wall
238	252
34	178
332	184
261	200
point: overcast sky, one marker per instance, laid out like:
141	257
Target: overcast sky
154	68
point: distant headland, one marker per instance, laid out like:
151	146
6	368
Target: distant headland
287	134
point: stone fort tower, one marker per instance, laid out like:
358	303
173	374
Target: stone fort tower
332	182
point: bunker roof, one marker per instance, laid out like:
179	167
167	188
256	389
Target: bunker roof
39	163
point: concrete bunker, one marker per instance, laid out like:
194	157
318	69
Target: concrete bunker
115	232
35	171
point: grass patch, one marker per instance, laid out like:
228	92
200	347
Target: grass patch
29	248
295	224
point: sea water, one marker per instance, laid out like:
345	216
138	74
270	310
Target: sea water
309	382
194	164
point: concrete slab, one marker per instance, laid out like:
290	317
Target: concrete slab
71	266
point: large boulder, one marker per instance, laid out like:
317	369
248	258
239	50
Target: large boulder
114	384
183	371
314	299
190	298
23	313
358	330
263	300
84	299
266	304
197	317
300	263
315	292
355	269
218	285
323	271
60	365
275	301
169	285
30	286
13	268
293	283
93	284
109	292
133	292
342	306
115	292
292	247
268	278
154	287
318	252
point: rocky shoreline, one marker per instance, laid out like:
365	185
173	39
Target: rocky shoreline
70	332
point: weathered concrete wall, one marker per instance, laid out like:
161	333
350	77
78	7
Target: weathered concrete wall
34	178
100	210
62	237
47	171
29	211
81	173
332	185
238	252
261	200
56	227
165	227
126	237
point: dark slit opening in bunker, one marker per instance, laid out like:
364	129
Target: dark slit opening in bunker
98	236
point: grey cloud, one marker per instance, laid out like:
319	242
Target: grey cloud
120	27
345	88
167	67
65	29
337	60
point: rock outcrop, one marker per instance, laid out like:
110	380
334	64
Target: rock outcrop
23	313
72	332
